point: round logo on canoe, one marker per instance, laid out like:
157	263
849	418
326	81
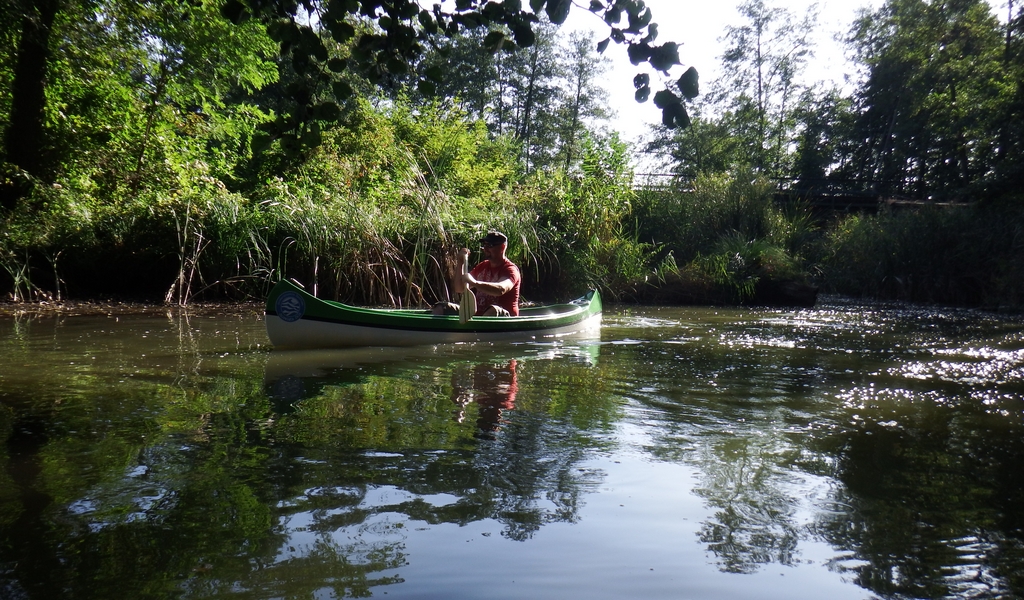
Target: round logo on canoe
290	307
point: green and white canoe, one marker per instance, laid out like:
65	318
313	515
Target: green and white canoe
297	319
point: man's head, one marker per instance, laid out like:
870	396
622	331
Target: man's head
494	238
493	245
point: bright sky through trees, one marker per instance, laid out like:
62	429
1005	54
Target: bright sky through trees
699	25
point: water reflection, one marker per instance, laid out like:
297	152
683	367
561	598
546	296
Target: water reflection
754	521
870	450
359	505
894	435
482	377
934	490
202	484
492	387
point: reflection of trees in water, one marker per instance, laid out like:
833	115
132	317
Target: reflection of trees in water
346	570
518	468
926	502
732	432
754	520
210	518
930	507
532	478
207	489
515	466
924	463
745	463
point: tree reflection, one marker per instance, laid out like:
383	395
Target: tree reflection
924	502
243	475
517	471
753	520
213	486
906	425
932	506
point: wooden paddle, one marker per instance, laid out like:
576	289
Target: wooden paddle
467	304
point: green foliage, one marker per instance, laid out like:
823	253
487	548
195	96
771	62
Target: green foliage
935	117
401	31
139	85
933	108
967	256
739	264
375	214
582	101
379	209
170	157
208	158
690	222
723	237
582	217
529	82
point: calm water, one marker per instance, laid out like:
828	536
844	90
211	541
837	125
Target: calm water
849	451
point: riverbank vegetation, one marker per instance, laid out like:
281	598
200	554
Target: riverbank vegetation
176	155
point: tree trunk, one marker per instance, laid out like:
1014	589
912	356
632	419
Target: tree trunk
23	141
574	123
526	125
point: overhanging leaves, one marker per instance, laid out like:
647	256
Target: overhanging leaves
638	53
523	35
665	57
558	10
674	116
688	84
665	98
391	48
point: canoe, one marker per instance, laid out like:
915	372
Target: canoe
297	319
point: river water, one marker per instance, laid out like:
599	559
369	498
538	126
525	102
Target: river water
849	451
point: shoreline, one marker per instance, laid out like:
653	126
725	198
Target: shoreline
110	307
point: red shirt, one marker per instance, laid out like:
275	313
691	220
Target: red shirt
491	274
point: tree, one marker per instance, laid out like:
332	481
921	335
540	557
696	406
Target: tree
546	95
764	58
535	75
24	137
195	59
708	146
386	40
930	105
823	139
582	97
471	74
747	121
1008	165
403	31
106	76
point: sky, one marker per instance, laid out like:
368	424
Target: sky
698	26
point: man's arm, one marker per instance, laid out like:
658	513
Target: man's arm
491	288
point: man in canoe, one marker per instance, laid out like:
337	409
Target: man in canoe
496	281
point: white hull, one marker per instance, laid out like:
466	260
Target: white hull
306	333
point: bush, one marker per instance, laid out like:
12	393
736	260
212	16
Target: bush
727	234
964	256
